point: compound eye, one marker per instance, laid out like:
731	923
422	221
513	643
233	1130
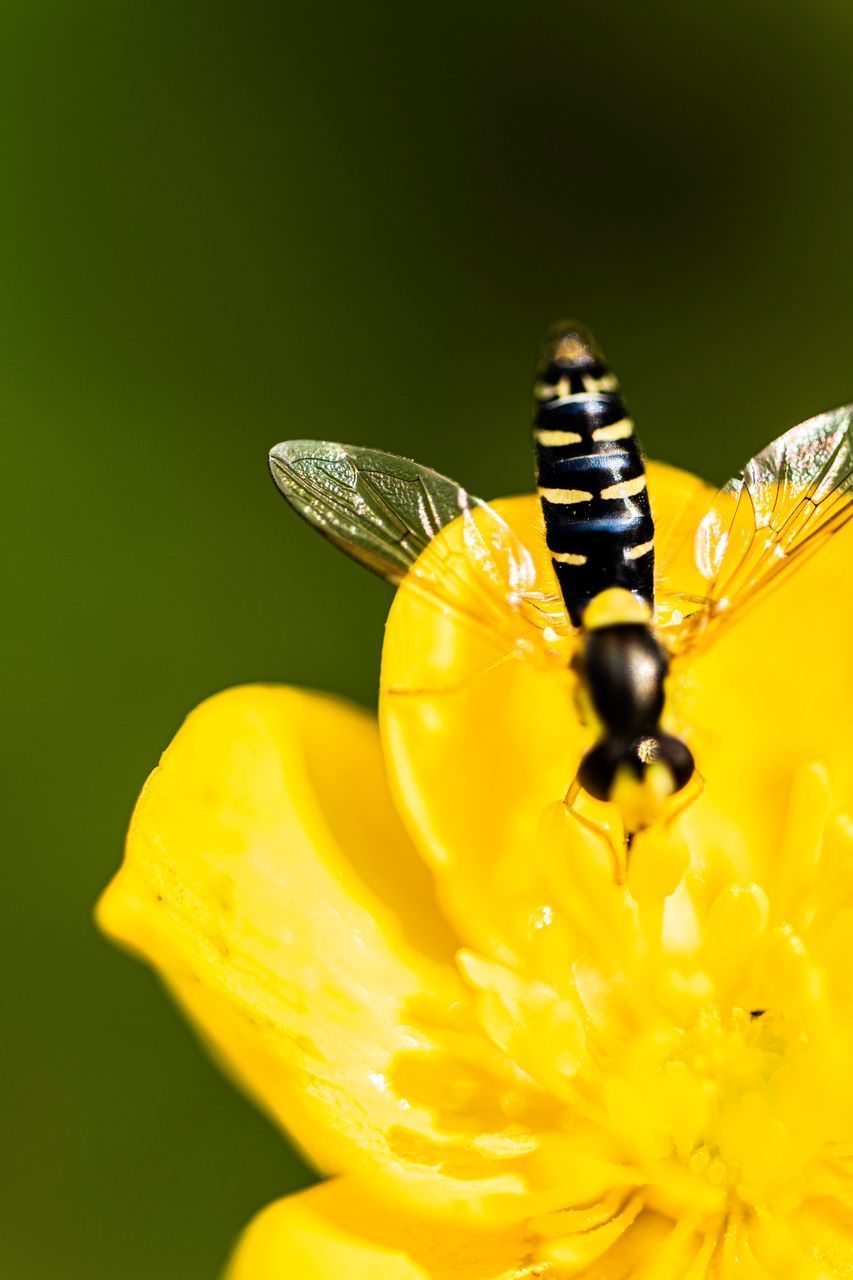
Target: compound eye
598	769
677	756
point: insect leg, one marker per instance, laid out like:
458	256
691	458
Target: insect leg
615	837
683	799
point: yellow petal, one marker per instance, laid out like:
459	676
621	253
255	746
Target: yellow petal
476	764
269	881
338	1232
773	691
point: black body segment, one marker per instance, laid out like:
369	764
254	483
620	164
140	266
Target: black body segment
590	474
625	667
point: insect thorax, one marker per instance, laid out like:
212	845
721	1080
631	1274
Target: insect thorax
624	668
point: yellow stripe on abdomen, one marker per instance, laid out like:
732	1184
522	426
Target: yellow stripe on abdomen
643	549
566	497
624	489
622	430
568	557
552	438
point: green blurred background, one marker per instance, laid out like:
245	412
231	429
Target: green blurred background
221	225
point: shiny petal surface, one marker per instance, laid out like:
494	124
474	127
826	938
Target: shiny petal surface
339	1232
269	881
774	690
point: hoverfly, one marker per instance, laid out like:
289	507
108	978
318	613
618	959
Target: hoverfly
601	606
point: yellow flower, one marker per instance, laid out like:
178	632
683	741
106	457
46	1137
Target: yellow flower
421	966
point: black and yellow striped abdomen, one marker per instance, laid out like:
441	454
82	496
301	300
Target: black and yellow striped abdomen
591	476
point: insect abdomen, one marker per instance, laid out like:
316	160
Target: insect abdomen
591	475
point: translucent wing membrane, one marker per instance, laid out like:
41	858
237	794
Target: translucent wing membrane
784	505
378	508
386	512
676	513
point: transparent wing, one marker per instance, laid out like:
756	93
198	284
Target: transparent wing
783	506
677	593
385	512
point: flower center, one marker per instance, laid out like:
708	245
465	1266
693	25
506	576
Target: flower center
710	1126
694	1032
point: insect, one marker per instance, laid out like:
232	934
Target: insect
601	611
